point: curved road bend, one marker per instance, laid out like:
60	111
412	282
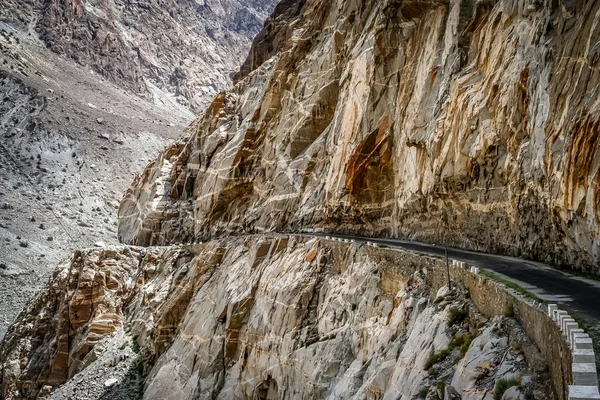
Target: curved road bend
579	294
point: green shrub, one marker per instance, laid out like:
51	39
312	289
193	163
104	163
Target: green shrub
503	385
435	358
457	315
461	342
509	310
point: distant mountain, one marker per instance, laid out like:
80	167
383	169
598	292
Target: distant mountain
187	48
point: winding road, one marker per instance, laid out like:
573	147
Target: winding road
569	291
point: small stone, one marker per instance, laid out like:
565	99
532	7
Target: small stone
104	136
100	120
100	244
110	382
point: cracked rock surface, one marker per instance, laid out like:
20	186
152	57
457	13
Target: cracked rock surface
471	123
259	317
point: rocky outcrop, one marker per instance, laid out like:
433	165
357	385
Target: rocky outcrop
462	122
187	49
266	317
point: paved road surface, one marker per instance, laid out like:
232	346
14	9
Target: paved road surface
579	294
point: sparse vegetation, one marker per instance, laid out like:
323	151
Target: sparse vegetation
503	385
509	310
457	315
435	358
461	342
135	346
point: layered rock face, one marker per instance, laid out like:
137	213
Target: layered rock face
463	122
186	48
267	318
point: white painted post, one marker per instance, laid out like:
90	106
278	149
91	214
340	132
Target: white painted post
564	319
584	356
551	308
583	393
570	326
584	374
575	333
557	314
562	315
582	343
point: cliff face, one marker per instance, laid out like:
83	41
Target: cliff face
469	123
262	318
186	48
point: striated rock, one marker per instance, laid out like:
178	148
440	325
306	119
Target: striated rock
261	317
462	122
185	48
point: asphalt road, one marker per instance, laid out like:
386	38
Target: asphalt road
566	290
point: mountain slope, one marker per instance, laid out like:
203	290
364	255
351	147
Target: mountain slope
185	48
74	134
462	122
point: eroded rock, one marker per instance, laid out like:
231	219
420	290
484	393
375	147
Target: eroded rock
467	123
257	317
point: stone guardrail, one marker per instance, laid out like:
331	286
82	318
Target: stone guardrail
584	374
582	384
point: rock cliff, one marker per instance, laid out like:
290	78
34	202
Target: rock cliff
472	123
263	317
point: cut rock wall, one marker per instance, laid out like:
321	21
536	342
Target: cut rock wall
468	123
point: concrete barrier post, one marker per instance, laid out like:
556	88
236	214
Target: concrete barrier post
551	309
576	333
583	343
557	315
569	327
584	374
561	320
584	356
583	393
564	320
